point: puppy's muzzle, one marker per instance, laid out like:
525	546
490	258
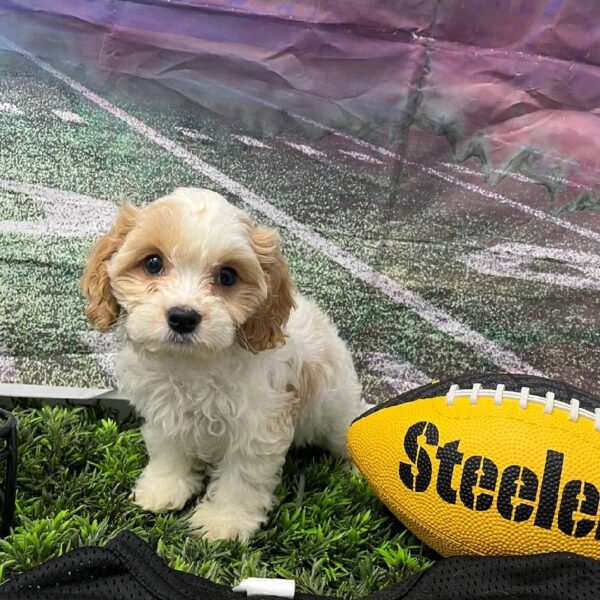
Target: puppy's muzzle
183	320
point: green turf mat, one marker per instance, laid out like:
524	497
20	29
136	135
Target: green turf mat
76	470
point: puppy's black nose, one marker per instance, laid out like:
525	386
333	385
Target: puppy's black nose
183	320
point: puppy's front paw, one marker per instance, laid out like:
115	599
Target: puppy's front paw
223	522
159	494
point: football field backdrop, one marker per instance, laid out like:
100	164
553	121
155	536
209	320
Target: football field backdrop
443	223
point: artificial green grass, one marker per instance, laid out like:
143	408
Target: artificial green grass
76	469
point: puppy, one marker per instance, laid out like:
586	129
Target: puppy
225	361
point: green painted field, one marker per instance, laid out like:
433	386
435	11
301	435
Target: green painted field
404	222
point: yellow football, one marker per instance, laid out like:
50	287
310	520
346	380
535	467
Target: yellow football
489	464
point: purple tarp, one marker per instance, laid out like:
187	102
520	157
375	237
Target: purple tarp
514	83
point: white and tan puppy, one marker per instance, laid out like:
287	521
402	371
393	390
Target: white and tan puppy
225	361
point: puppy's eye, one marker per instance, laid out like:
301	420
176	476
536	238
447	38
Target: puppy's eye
153	265
227	276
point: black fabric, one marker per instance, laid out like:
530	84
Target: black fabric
538	386
127	569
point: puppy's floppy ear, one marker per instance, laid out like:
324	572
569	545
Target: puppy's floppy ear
264	329
103	308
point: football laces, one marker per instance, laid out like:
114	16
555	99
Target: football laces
500	394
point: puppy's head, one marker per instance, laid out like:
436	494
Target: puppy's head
189	272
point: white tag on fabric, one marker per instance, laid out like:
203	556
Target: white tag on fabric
259	586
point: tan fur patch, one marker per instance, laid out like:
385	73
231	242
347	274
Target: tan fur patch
264	330
103	308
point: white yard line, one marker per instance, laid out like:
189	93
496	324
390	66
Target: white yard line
66	214
67	116
467	171
534	212
516	260
192	134
8	107
399	374
438	318
250	141
306	150
362	157
512	175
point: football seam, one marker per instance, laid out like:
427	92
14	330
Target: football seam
500	394
440	388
